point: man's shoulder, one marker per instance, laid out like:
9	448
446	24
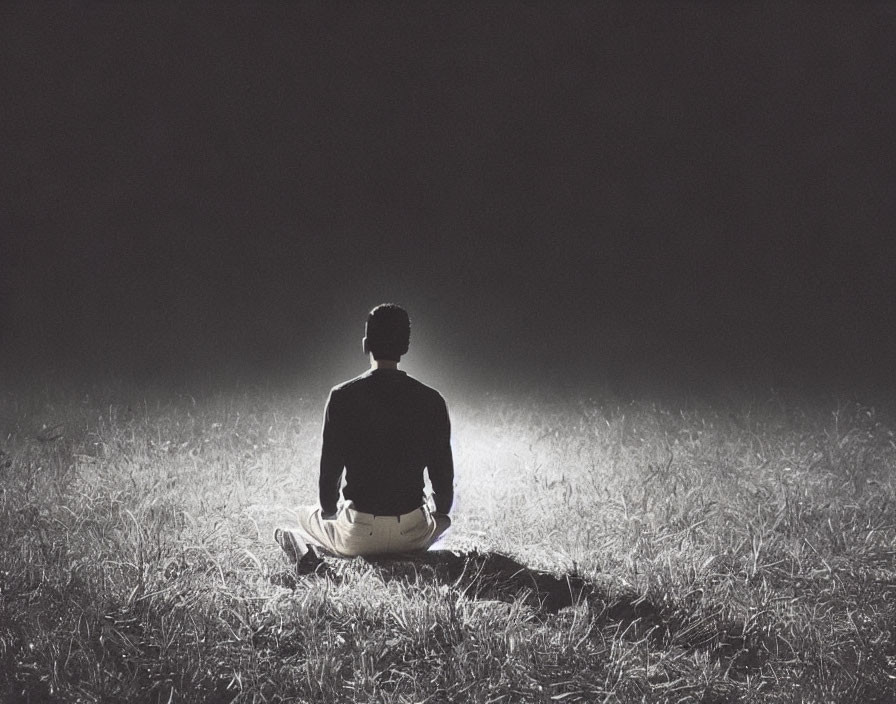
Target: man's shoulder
365	383
427	399
425	389
349	383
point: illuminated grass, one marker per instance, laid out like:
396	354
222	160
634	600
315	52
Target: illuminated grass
743	553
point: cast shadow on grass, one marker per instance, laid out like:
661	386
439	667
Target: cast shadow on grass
497	577
481	575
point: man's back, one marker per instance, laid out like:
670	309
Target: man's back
385	427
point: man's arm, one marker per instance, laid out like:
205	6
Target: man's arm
441	461
332	461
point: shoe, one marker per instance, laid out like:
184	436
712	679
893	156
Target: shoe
303	555
310	561
295	550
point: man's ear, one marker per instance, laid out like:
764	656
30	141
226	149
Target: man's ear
365	346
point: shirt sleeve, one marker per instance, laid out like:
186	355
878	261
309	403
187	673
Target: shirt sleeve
332	459
441	461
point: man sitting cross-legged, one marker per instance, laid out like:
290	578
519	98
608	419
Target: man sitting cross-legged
383	429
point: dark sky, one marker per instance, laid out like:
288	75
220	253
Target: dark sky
556	191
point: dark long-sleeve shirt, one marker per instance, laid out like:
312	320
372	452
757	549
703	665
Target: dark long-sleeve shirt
384	427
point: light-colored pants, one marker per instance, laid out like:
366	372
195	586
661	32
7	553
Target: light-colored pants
354	532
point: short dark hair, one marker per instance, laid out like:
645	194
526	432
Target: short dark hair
388	331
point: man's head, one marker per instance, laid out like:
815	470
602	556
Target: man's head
388	332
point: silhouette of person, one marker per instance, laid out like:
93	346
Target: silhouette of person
382	428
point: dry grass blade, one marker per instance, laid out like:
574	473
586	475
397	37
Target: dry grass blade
600	552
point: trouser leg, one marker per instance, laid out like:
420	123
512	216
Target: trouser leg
315	529
353	533
419	530
348	534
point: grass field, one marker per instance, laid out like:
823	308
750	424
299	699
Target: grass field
734	552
